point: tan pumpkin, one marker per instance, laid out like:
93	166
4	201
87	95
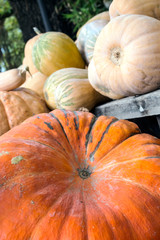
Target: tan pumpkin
18	105
35	83
143	7
13	78
54	51
126	58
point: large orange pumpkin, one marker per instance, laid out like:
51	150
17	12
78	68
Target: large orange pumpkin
70	176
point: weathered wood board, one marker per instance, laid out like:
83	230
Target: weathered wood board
132	107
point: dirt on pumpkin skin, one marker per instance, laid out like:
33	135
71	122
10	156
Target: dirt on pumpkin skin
16	159
3	153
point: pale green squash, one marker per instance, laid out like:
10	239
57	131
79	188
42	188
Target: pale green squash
56	78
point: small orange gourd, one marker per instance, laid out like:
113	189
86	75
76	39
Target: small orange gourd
18	105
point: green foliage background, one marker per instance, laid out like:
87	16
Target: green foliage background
12	45
80	11
11	40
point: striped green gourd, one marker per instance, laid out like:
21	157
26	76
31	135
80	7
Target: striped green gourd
58	77
73	95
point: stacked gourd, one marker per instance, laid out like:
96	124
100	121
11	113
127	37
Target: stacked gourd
126	59
52	59
17	104
69	88
88	33
67	175
121	55
59	71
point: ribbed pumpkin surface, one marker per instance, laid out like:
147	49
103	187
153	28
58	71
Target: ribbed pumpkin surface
74	94
91	37
18	105
126	58
88	36
69	176
55	50
143	7
58	77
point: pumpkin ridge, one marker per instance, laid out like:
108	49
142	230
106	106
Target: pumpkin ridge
43	130
50	147
142	35
129	181
84	214
113	148
66	215
143	189
129	224
75	156
41	143
76	120
5	113
7	182
88	135
124	162
61	127
63	222
96	206
91	156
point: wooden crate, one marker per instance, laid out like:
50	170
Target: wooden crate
141	109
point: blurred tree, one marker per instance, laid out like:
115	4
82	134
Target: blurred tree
29	16
80	11
17	19
11	40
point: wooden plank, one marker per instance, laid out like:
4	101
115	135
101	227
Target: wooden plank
132	107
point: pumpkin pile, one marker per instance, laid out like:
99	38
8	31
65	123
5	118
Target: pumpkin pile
65	174
17	103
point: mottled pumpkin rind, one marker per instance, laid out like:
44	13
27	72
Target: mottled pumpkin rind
42	193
